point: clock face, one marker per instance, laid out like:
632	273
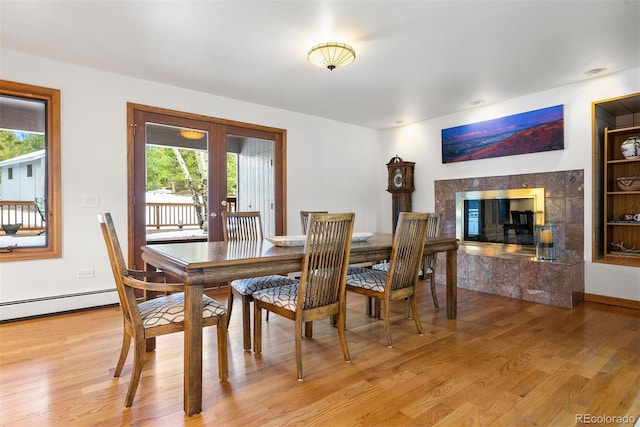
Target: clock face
396	178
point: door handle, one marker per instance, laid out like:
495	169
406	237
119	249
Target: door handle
224	203
213	214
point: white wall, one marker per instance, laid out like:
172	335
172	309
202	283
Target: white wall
329	166
421	143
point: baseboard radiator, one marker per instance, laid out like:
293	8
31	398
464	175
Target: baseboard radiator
35	307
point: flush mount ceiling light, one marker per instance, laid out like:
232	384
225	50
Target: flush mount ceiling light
191	134
331	55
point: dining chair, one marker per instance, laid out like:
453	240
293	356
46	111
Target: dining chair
428	269
321	291
304	219
247	227
399	282
158	316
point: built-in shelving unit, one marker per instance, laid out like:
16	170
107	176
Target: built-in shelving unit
615	121
617	202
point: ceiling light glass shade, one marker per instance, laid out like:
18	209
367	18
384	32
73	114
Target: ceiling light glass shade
191	134
331	55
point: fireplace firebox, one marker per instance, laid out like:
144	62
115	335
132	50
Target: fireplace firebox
500	217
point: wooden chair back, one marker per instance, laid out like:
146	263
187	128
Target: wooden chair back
407	250
241	226
433	224
128	280
304	219
433	230
326	258
119	267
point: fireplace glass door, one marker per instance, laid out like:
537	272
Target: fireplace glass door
506	217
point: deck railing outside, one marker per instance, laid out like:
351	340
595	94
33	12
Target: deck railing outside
21	212
159	215
163	215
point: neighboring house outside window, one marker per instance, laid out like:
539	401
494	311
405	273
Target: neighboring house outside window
26	167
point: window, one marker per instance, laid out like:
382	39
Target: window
30	147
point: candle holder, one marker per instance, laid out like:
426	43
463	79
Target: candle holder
545	242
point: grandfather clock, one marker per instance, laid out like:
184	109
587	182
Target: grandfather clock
400	186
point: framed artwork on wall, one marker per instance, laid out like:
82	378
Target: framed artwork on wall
530	132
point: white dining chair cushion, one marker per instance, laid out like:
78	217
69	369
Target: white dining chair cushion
281	296
170	309
370	279
253	284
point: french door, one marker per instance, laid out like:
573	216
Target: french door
180	182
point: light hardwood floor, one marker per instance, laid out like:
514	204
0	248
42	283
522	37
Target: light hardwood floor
503	362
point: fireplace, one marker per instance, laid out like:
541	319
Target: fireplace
511	269
505	218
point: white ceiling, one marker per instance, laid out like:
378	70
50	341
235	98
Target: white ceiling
415	60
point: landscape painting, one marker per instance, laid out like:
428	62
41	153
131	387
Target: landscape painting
530	132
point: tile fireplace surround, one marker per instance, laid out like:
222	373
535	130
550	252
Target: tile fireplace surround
485	268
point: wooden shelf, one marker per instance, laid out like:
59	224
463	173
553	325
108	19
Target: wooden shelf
623	193
629	261
622	161
619	222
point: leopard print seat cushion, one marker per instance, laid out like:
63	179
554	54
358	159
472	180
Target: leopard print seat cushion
170	309
254	284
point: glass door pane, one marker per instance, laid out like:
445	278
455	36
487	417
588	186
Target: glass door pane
255	178
176	195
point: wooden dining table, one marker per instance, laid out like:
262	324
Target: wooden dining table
199	263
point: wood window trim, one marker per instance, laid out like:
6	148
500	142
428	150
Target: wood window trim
53	247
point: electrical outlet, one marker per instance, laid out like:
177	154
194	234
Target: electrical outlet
86	273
